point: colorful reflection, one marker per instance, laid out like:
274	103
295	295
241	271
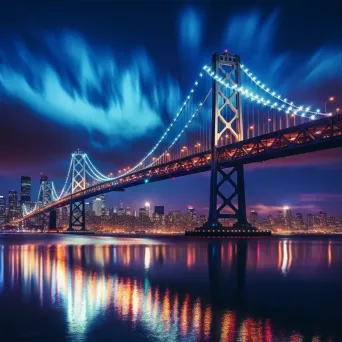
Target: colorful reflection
90	282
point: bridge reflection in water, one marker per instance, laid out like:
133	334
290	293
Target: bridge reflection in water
162	292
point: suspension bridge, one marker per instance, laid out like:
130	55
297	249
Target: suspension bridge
228	119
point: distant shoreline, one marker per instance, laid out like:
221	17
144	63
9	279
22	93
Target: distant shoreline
176	235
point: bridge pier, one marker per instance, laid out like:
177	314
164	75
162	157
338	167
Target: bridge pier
77	216
237	193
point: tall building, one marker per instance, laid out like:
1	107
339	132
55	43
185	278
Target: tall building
322	216
148	209
87	207
298	221
25	195
142	212
103	203
2	210
12	205
288	217
191	214
159	210
253	218
97	206
158	215
280	220
128	211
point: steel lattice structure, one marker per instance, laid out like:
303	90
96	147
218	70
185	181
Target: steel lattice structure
78	183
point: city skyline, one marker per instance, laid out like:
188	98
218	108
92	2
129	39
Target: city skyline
286	217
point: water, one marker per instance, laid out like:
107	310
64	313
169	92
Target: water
64	288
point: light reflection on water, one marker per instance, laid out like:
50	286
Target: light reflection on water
173	290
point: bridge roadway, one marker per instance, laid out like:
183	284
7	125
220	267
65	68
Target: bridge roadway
313	136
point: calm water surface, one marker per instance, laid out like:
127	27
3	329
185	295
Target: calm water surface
64	288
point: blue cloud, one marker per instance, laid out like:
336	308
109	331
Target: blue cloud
190	30
75	84
254	38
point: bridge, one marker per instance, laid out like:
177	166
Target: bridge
228	119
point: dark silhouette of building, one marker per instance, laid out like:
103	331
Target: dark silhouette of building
12	205
159	209
2	210
25	195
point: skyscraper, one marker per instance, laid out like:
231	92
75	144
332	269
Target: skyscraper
253	218
97	206
322	216
103	204
142	212
148	209
191	214
12	205
87	207
2	210
25	195
288	217
158	215
159	209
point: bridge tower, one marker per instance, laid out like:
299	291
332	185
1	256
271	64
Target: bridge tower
78	182
226	118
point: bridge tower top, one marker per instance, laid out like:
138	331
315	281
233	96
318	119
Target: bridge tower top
226	103
78	165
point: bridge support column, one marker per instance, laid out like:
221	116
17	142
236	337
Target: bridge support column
53	221
234	179
77	216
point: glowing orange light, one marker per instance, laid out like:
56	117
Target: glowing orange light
331	98
251	127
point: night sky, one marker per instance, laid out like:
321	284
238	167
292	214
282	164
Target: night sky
64	66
